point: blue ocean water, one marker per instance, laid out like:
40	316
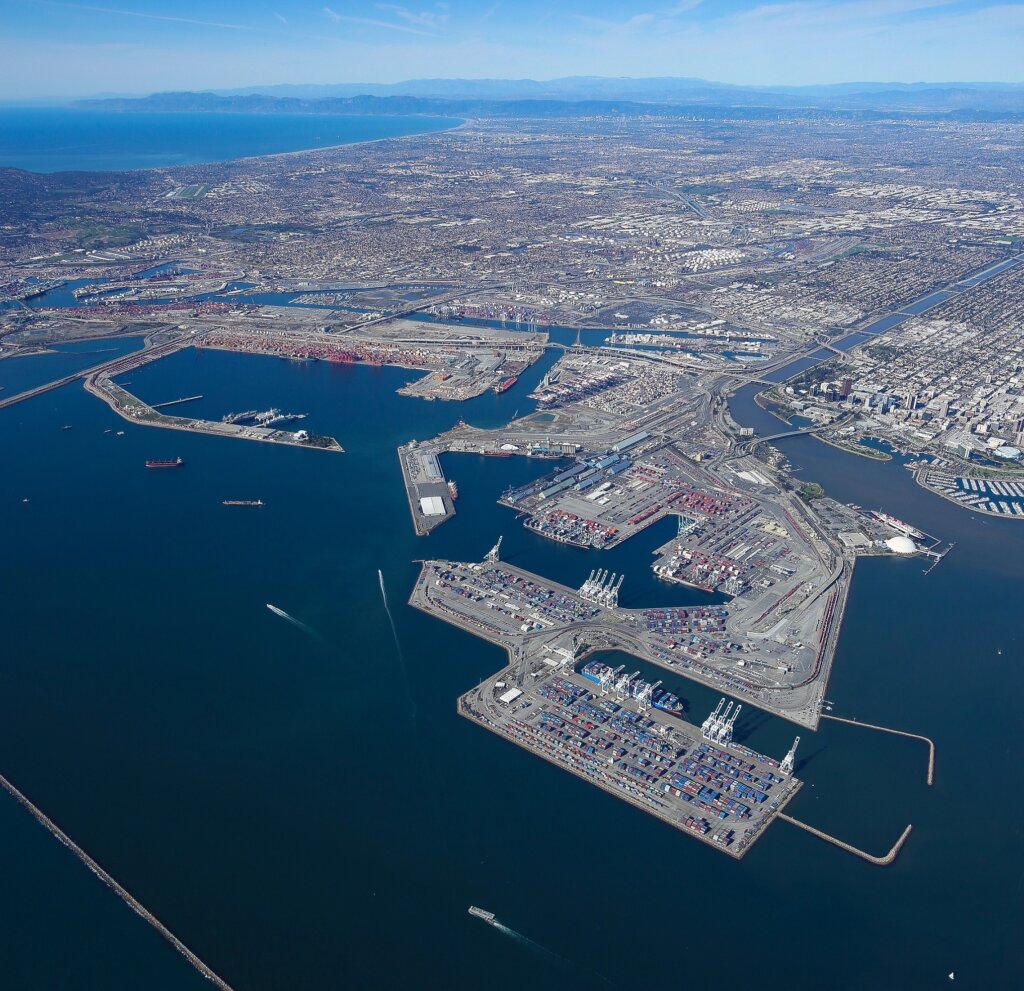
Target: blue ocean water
56	139
308	811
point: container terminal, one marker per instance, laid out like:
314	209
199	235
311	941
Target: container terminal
611	734
613	728
524	613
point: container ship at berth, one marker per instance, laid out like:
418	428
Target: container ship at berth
632	686
505	384
168	463
896	524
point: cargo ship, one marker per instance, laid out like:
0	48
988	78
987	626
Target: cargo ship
896	524
496	454
243	502
505	384
481	913
168	463
634	686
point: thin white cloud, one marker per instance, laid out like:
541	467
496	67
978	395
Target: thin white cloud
372	22
147	16
682	7
281	17
426	18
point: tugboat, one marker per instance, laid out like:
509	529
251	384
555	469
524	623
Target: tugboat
168	463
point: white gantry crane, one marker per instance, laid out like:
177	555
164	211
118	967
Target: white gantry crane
718	727
609	678
624	686
707	727
789	761
492	554
644	696
602	589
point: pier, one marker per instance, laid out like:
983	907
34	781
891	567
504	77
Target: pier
130	900
659	763
175	402
895	732
426	488
133	409
878	861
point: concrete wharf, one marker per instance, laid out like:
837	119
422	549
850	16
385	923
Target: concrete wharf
176	402
723	795
133	409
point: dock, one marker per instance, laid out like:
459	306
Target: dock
133	409
619	740
655	761
521	611
176	402
426	488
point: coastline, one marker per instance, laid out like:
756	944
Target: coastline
170	168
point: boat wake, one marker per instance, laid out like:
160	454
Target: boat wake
525	940
297	623
543	951
398	645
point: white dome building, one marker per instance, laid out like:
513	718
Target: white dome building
901	545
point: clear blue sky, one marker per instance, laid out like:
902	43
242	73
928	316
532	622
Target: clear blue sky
139	46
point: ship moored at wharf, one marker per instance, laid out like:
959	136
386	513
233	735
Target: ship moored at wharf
897	524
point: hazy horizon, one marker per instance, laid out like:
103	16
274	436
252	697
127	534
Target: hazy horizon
65	50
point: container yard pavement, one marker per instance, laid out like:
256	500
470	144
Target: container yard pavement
724	795
526	613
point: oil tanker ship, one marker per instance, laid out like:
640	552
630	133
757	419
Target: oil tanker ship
505	384
166	463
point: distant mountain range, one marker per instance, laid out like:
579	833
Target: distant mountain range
573	95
